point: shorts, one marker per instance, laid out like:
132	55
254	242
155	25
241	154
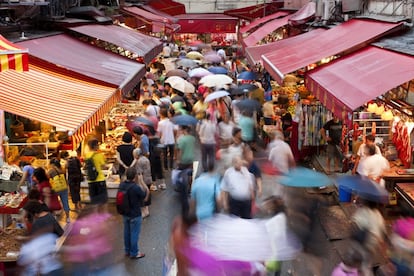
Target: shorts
333	151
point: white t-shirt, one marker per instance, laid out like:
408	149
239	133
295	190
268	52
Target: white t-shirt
207	132
363	153
373	166
239	184
280	155
153	110
226	130
166	132
166	51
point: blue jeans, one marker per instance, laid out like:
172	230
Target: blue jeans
64	197
132	227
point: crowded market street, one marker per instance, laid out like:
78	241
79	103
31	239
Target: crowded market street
169	139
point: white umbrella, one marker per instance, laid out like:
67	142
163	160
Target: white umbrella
199	72
216	95
186	63
216	80
177	83
189	88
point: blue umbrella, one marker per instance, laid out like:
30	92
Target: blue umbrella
217	70
244	88
144	121
184	120
363	187
303	177
247	75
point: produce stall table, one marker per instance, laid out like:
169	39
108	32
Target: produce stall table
6	211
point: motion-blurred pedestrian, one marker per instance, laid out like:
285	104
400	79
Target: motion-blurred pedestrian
238	189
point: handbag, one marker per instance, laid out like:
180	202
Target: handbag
58	182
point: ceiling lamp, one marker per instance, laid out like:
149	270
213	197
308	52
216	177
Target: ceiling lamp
387	115
380	110
372	107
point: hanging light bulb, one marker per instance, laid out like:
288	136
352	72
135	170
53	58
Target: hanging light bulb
372	107
387	115
380	110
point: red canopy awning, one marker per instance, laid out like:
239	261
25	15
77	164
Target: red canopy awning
199	23
304	14
12	56
351	35
263	20
264	30
153	10
158	22
349	82
254	53
141	45
59	100
68	55
256	11
168	6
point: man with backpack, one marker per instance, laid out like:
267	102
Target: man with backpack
94	161
130	198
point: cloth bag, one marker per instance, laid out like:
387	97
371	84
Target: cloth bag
58	183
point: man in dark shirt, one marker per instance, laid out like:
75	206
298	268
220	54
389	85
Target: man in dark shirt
136	195
331	132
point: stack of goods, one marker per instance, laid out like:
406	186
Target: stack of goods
11	200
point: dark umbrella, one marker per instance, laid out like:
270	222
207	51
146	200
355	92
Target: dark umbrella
363	187
177	72
247	75
184	120
248	105
217	70
244	88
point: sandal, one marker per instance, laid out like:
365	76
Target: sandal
139	256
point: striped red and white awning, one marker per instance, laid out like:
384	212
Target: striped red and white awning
13	57
61	101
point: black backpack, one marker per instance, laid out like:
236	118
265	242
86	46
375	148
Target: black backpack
74	167
92	172
122	201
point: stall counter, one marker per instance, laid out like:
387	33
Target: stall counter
396	175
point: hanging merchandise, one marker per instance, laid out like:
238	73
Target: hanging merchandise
401	140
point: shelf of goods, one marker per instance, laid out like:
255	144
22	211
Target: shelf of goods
122	112
372	123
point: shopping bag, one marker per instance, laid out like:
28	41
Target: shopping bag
58	183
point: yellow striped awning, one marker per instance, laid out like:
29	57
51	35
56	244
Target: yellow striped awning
13	57
59	100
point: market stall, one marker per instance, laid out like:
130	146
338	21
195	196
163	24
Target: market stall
121	118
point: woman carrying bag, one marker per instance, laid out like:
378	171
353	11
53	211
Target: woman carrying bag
59	185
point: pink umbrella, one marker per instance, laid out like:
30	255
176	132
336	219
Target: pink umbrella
212	58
